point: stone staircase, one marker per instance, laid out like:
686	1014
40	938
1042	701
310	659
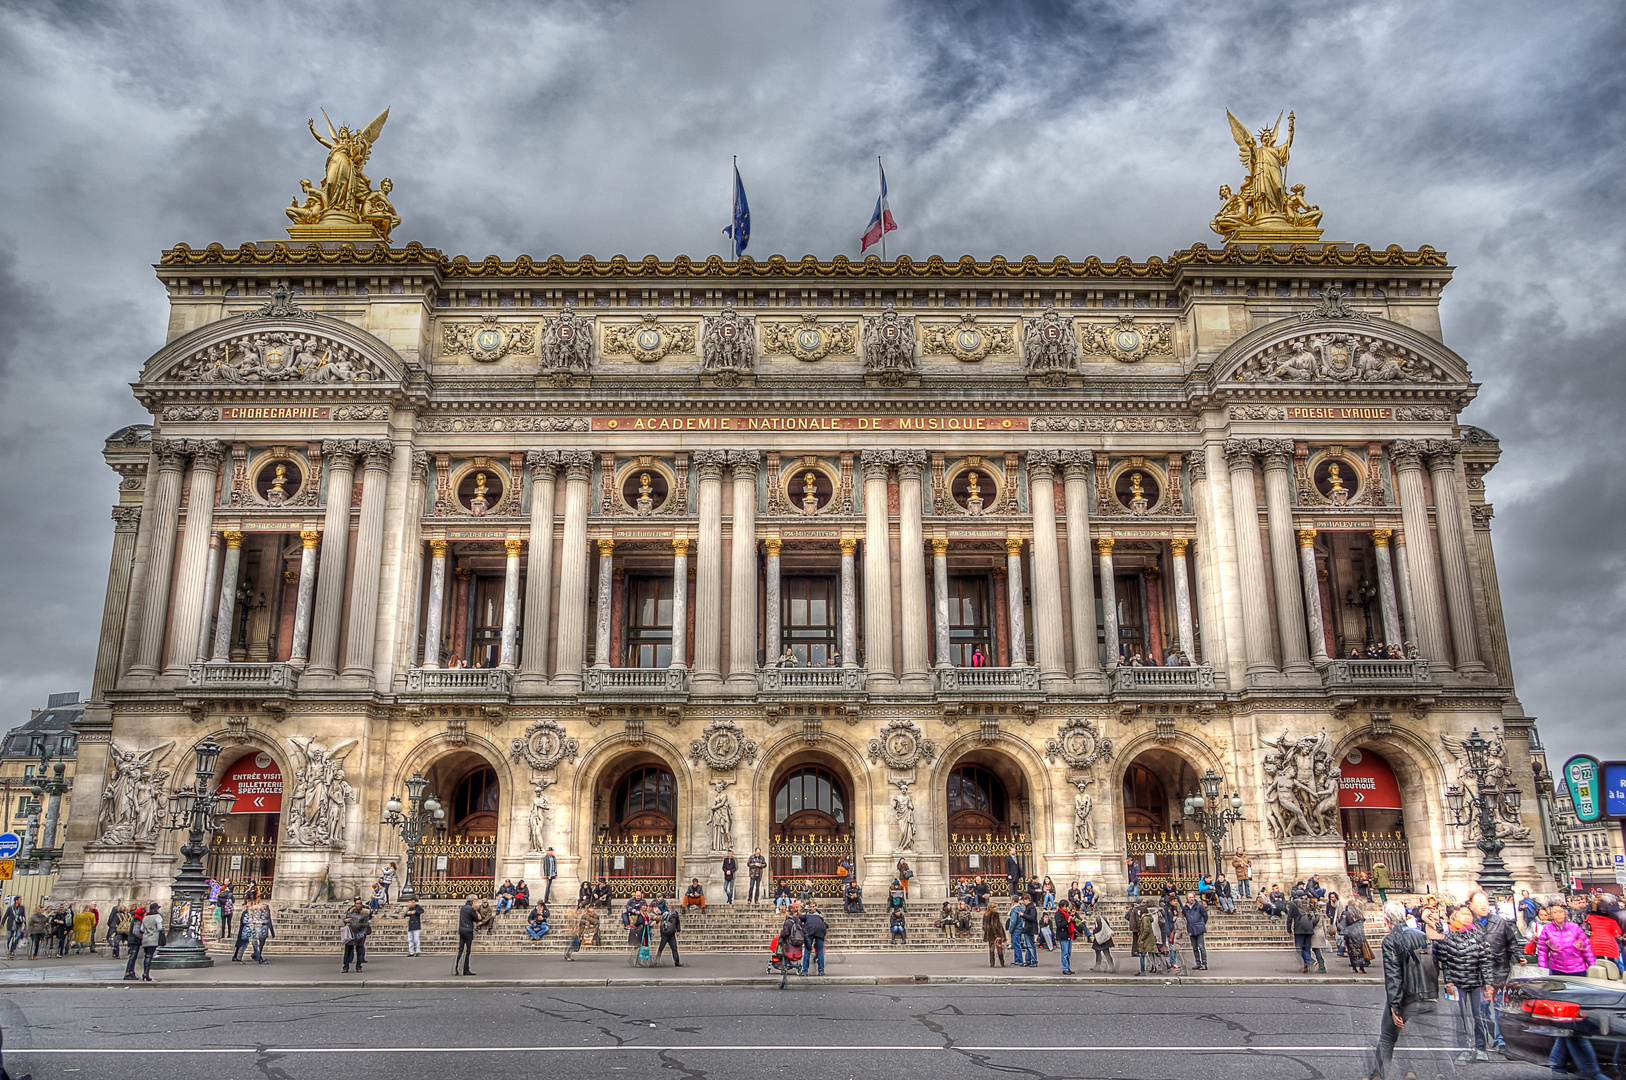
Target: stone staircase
306	928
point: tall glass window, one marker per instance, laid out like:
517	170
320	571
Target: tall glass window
649	623
810	613
968	622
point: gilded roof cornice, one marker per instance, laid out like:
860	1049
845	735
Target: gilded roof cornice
777	266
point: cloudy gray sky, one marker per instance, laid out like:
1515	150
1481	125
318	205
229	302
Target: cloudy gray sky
1491	131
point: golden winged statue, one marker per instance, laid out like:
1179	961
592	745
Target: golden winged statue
344	206
1265	208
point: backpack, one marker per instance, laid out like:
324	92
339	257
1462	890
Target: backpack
798	935
669	925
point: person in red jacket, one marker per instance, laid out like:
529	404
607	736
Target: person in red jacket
1603	931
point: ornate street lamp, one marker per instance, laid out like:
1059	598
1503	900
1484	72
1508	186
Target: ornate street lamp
412	821
1483	806
1210	812
50	784
199	812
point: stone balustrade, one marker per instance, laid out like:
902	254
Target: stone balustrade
1126	678
1375	673
993	680
218	675
470	681
778	680
665	680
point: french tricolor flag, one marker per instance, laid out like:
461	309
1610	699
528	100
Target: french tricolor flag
882	222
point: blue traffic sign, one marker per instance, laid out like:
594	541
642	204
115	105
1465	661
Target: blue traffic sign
1614	788
10	845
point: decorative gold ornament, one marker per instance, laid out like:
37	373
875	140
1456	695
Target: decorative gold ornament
1306	537
310	537
345	206
488	340
1380	537
234	538
649	340
809	339
1013	546
1103	544
437	548
1126	339
1179	545
680	546
1265	209
771	545
606	547
965	340
940	546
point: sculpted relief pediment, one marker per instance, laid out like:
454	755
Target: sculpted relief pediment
293	349
1370	352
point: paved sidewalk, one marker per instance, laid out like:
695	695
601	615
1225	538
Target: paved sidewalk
610	965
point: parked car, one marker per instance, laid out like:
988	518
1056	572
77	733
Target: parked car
1534	1012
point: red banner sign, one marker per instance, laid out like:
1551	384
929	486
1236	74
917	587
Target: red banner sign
257	783
1368	783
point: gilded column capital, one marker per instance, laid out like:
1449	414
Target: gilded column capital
709	463
1103	544
1198	461
940	546
126	518
1042	464
542	463
513	545
421	463
771	545
437	547
848	546
1179	545
1077	464
1239	453
1408	454
207	454
578	464
998	572
1277	453
606	547
171	453
912	464
680	547
233	537
1380	537
1013	546
462	573
1306	537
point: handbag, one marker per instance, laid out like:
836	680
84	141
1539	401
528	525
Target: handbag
1366	950
841	871
643	952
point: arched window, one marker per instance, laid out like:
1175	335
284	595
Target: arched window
476	794
975	788
809	788
649	789
1146	803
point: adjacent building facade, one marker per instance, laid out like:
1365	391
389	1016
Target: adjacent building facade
647	560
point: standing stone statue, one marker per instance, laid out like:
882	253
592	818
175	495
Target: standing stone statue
1083	837
541	807
903	808
722	817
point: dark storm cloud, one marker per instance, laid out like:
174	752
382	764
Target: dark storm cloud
1491	131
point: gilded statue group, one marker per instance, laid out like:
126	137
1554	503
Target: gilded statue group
345	196
1264	200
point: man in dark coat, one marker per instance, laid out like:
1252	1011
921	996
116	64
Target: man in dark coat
1196	913
1503	946
671	926
1404	987
1013	873
550	870
1030	932
466	916
730	865
1465	965
814	928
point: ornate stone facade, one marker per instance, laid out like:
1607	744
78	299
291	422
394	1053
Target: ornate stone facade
667	556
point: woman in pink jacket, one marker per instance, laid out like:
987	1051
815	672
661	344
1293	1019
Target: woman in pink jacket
1563	947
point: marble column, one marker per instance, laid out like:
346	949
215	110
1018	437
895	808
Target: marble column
773	609
680	601
1109	599
164	509
877	568
1250	557
1459	595
544	466
192	567
1427	603
742	595
606	585
570	648
1077	467
1013	574
509	646
341	482
912	569
227	606
1311	586
708	571
1049	639
849	603
436	604
363	630
211	590
1182	599
116	602
1408	609
1284	560
1387	597
940	600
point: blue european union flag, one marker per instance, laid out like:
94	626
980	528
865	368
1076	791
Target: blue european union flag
740	230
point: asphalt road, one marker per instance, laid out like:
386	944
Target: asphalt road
715	1032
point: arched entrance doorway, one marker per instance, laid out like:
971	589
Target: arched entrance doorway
1372	818
812	831
987	806
1156	836
636	840
459	856
245	847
